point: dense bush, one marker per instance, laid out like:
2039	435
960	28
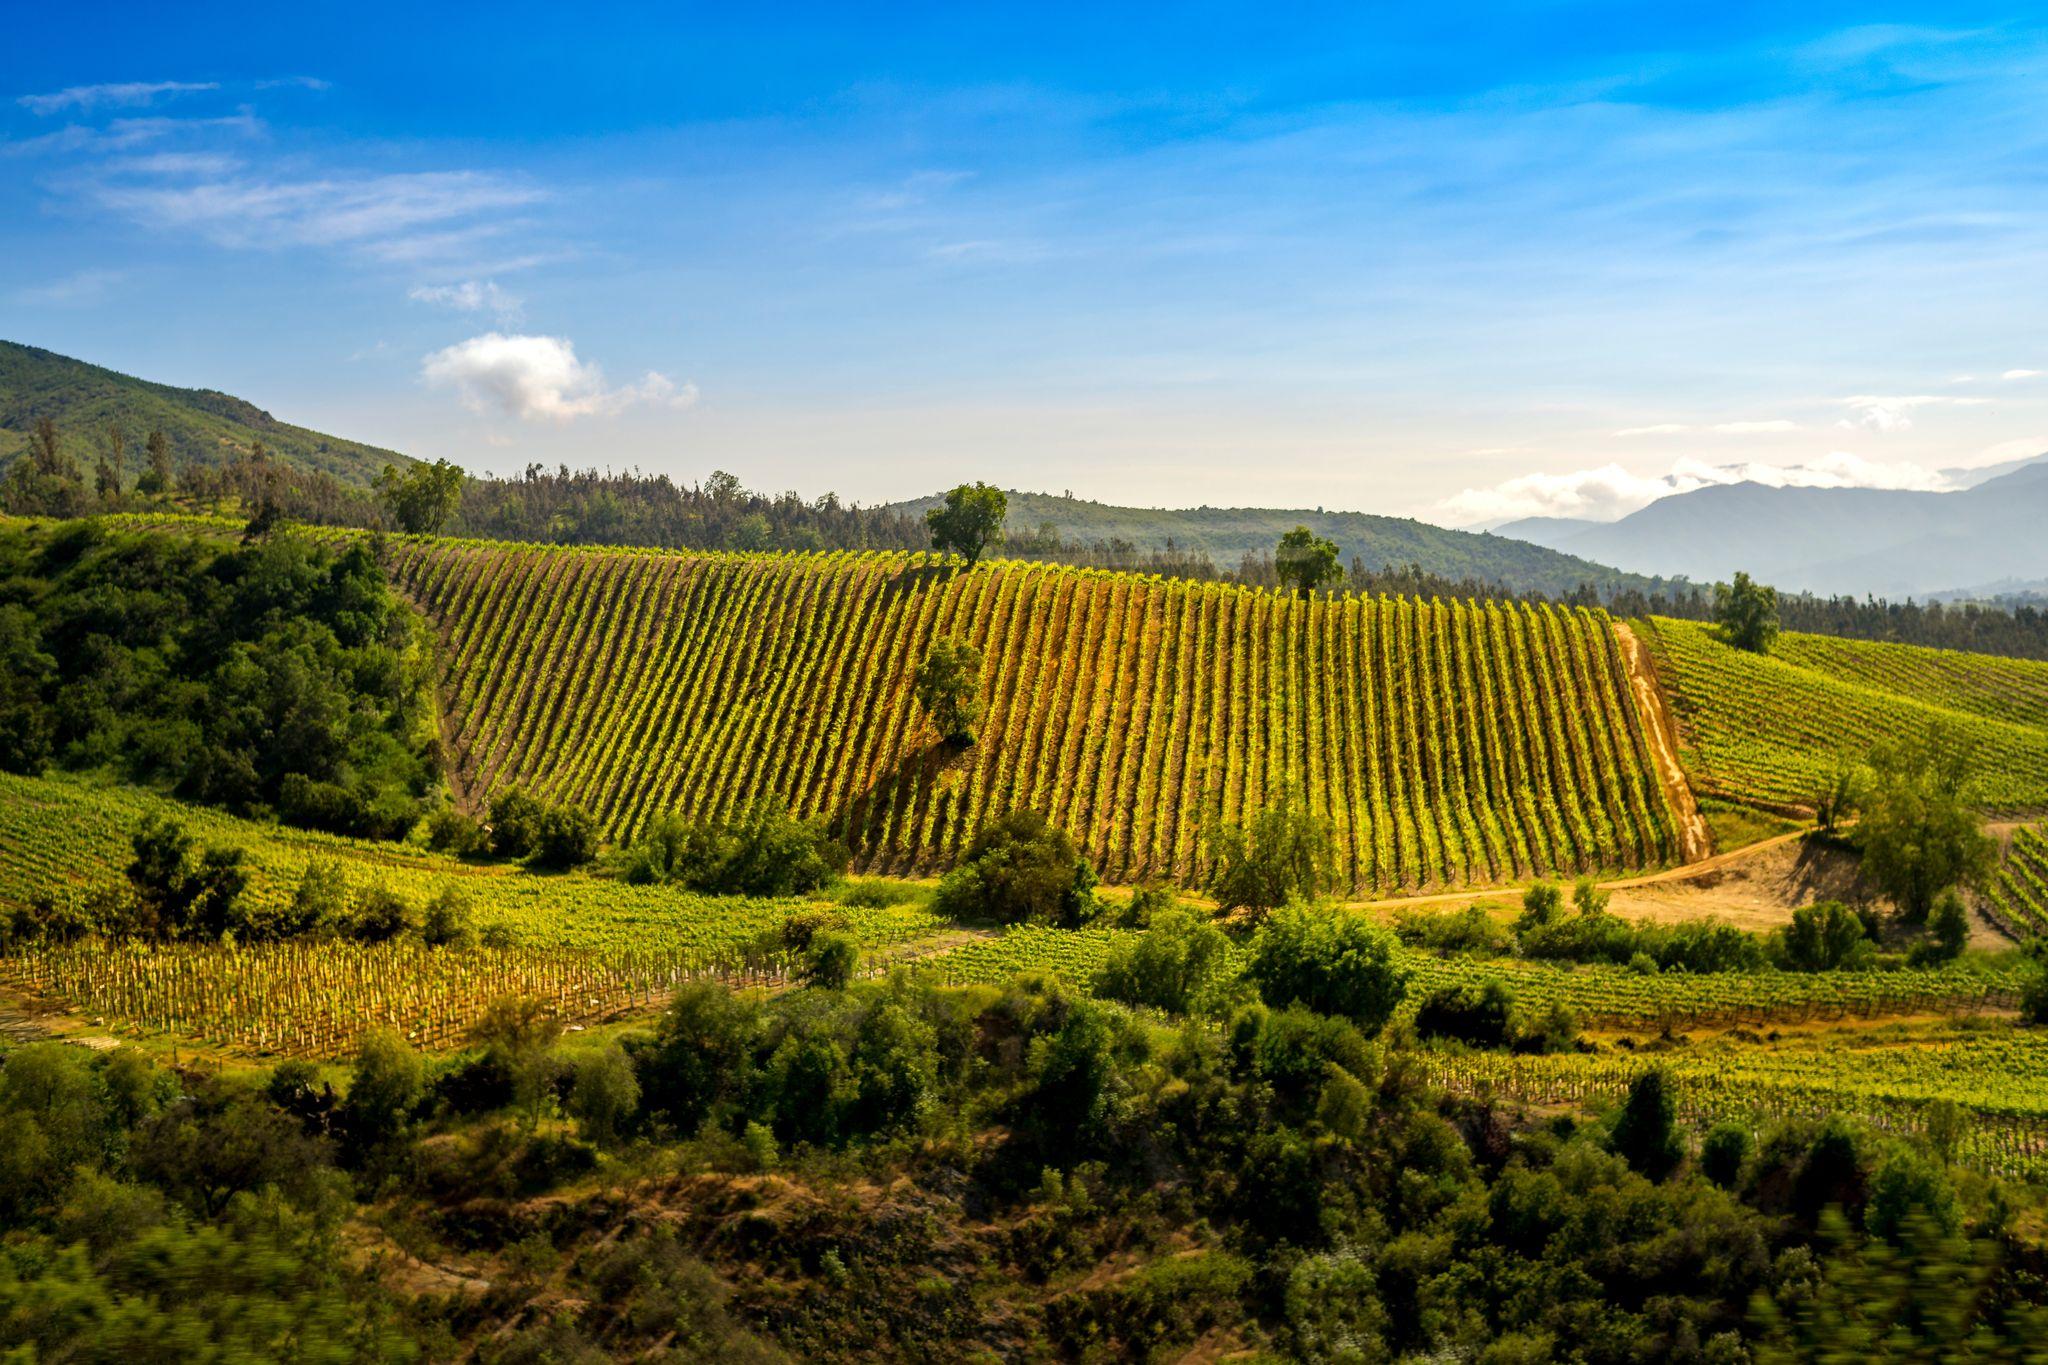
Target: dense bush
1283	853
280	677
763	851
1331	961
1177	964
1019	868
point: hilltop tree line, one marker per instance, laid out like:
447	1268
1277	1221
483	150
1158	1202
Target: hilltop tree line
589	507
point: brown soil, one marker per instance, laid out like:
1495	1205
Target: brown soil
1695	839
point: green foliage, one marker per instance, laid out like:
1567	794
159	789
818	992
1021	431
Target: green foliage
830	960
1919	833
1331	961
1020	869
1175	964
1478	1016
970	520
1646	1130
604	1095
762	851
515	823
566	837
1283	853
1724	1151
275	677
386	1084
421	497
948	688
448	921
1305	561
1747	613
1948	931
1824	937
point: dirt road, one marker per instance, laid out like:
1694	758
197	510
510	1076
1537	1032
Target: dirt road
1695	840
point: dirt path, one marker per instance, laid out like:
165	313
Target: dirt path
1695	840
1688	872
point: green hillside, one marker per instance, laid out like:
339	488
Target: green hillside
201	424
1227	534
1768	728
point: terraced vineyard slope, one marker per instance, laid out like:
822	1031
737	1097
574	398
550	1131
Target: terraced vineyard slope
1767	728
1445	744
2018	894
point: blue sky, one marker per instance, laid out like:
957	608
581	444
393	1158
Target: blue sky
1516	259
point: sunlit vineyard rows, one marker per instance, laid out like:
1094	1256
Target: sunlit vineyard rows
2018	892
1445	744
1769	727
1886	1076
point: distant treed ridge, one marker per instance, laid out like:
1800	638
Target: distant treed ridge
1444	743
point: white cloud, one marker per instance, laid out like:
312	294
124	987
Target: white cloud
470	296
540	378
1877	412
1740	428
1610	491
253	210
295	82
2020	374
79	289
124	95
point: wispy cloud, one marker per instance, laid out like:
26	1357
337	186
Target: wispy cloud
2021	374
1894	412
79	289
470	296
540	378
126	95
295	83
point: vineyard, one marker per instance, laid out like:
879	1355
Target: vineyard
1443	743
2018	893
1769	728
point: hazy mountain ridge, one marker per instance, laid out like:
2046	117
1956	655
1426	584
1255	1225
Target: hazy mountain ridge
203	425
1858	541
1227	534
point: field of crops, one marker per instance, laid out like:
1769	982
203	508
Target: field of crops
589	945
2018	893
1887	1076
1768	727
1444	744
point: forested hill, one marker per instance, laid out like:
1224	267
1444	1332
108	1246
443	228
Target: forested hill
1227	534
203	426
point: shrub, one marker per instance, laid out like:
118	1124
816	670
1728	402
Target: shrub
764	851
1019	868
831	959
1824	937
448	921
1723	1153
1470	930
566	837
1332	961
1170	966
380	916
604	1095
948	688
1478	1016
515	823
448	830
1283	854
1948	931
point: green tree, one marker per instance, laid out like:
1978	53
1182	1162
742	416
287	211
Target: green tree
1171	966
1646	1132
386	1083
1948	930
1305	561
1284	852
949	687
1332	961
605	1093
970	520
423	497
1747	613
566	837
1020	868
831	960
1824	937
1919	834
159	475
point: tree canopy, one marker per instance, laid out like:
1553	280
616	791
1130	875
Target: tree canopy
970	520
1747	612
1305	561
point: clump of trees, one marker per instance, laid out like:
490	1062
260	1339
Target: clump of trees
555	837
1920	833
421	498
763	850
1020	868
968	521
1747	613
948	687
279	678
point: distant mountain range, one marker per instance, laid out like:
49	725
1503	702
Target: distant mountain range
1984	539
1227	534
212	428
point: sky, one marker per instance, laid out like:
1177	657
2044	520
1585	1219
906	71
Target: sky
1519	259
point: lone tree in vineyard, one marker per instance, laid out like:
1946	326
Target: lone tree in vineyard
970	521
948	688
1919	833
1747	613
1305	561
